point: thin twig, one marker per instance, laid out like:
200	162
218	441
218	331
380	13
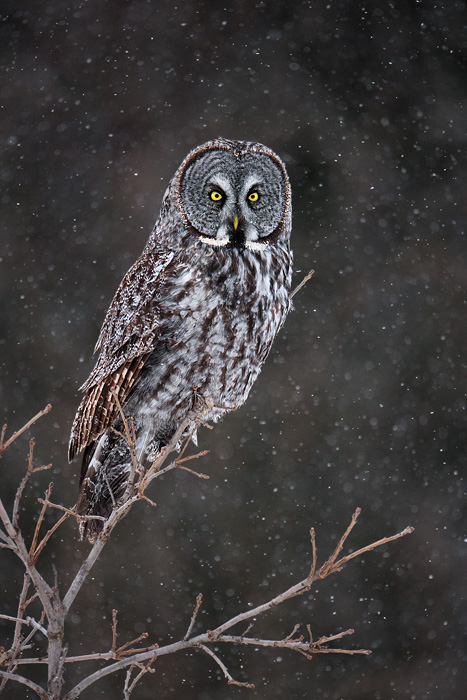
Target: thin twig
370	547
49	534
114	630
131	441
5	445
332	638
23	482
45	502
129	687
146	498
307	277
313	551
330	562
125	649
200	475
291	635
44	590
72	512
2	435
29	600
31	469
15	650
292	644
9	543
222	666
22	605
199	600
190	457
187	441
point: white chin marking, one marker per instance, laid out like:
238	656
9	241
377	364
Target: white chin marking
219	242
255	245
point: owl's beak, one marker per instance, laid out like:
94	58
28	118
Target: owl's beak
236	235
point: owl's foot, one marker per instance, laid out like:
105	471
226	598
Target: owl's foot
202	405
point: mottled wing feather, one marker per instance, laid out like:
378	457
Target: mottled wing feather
131	326
129	334
100	405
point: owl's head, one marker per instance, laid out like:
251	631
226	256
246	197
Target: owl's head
234	193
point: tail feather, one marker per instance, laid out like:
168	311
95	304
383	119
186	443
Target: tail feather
104	476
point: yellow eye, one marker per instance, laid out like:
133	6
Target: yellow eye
216	196
253	196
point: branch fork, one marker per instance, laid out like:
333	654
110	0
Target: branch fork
136	661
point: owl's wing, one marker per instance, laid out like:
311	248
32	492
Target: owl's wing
130	332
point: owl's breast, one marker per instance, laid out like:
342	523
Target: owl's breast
218	319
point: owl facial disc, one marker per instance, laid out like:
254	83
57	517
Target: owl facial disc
234	197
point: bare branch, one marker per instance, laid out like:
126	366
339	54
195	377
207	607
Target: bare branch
131	440
2	436
24	480
313	550
5	445
292	634
22	604
307	277
25	681
50	532
328	568
16	646
329	564
45	502
26	621
294	644
199	600
114	630
217	635
121	510
192	471
230	680
146	498
137	662
9	544
129	687
407	531
44	590
125	649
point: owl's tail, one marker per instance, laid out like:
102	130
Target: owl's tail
105	472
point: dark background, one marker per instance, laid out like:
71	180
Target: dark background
362	401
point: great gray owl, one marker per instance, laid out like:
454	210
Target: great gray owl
200	308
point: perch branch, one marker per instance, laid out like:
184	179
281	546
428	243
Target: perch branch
122	509
127	657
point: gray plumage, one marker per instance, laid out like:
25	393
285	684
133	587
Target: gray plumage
200	307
